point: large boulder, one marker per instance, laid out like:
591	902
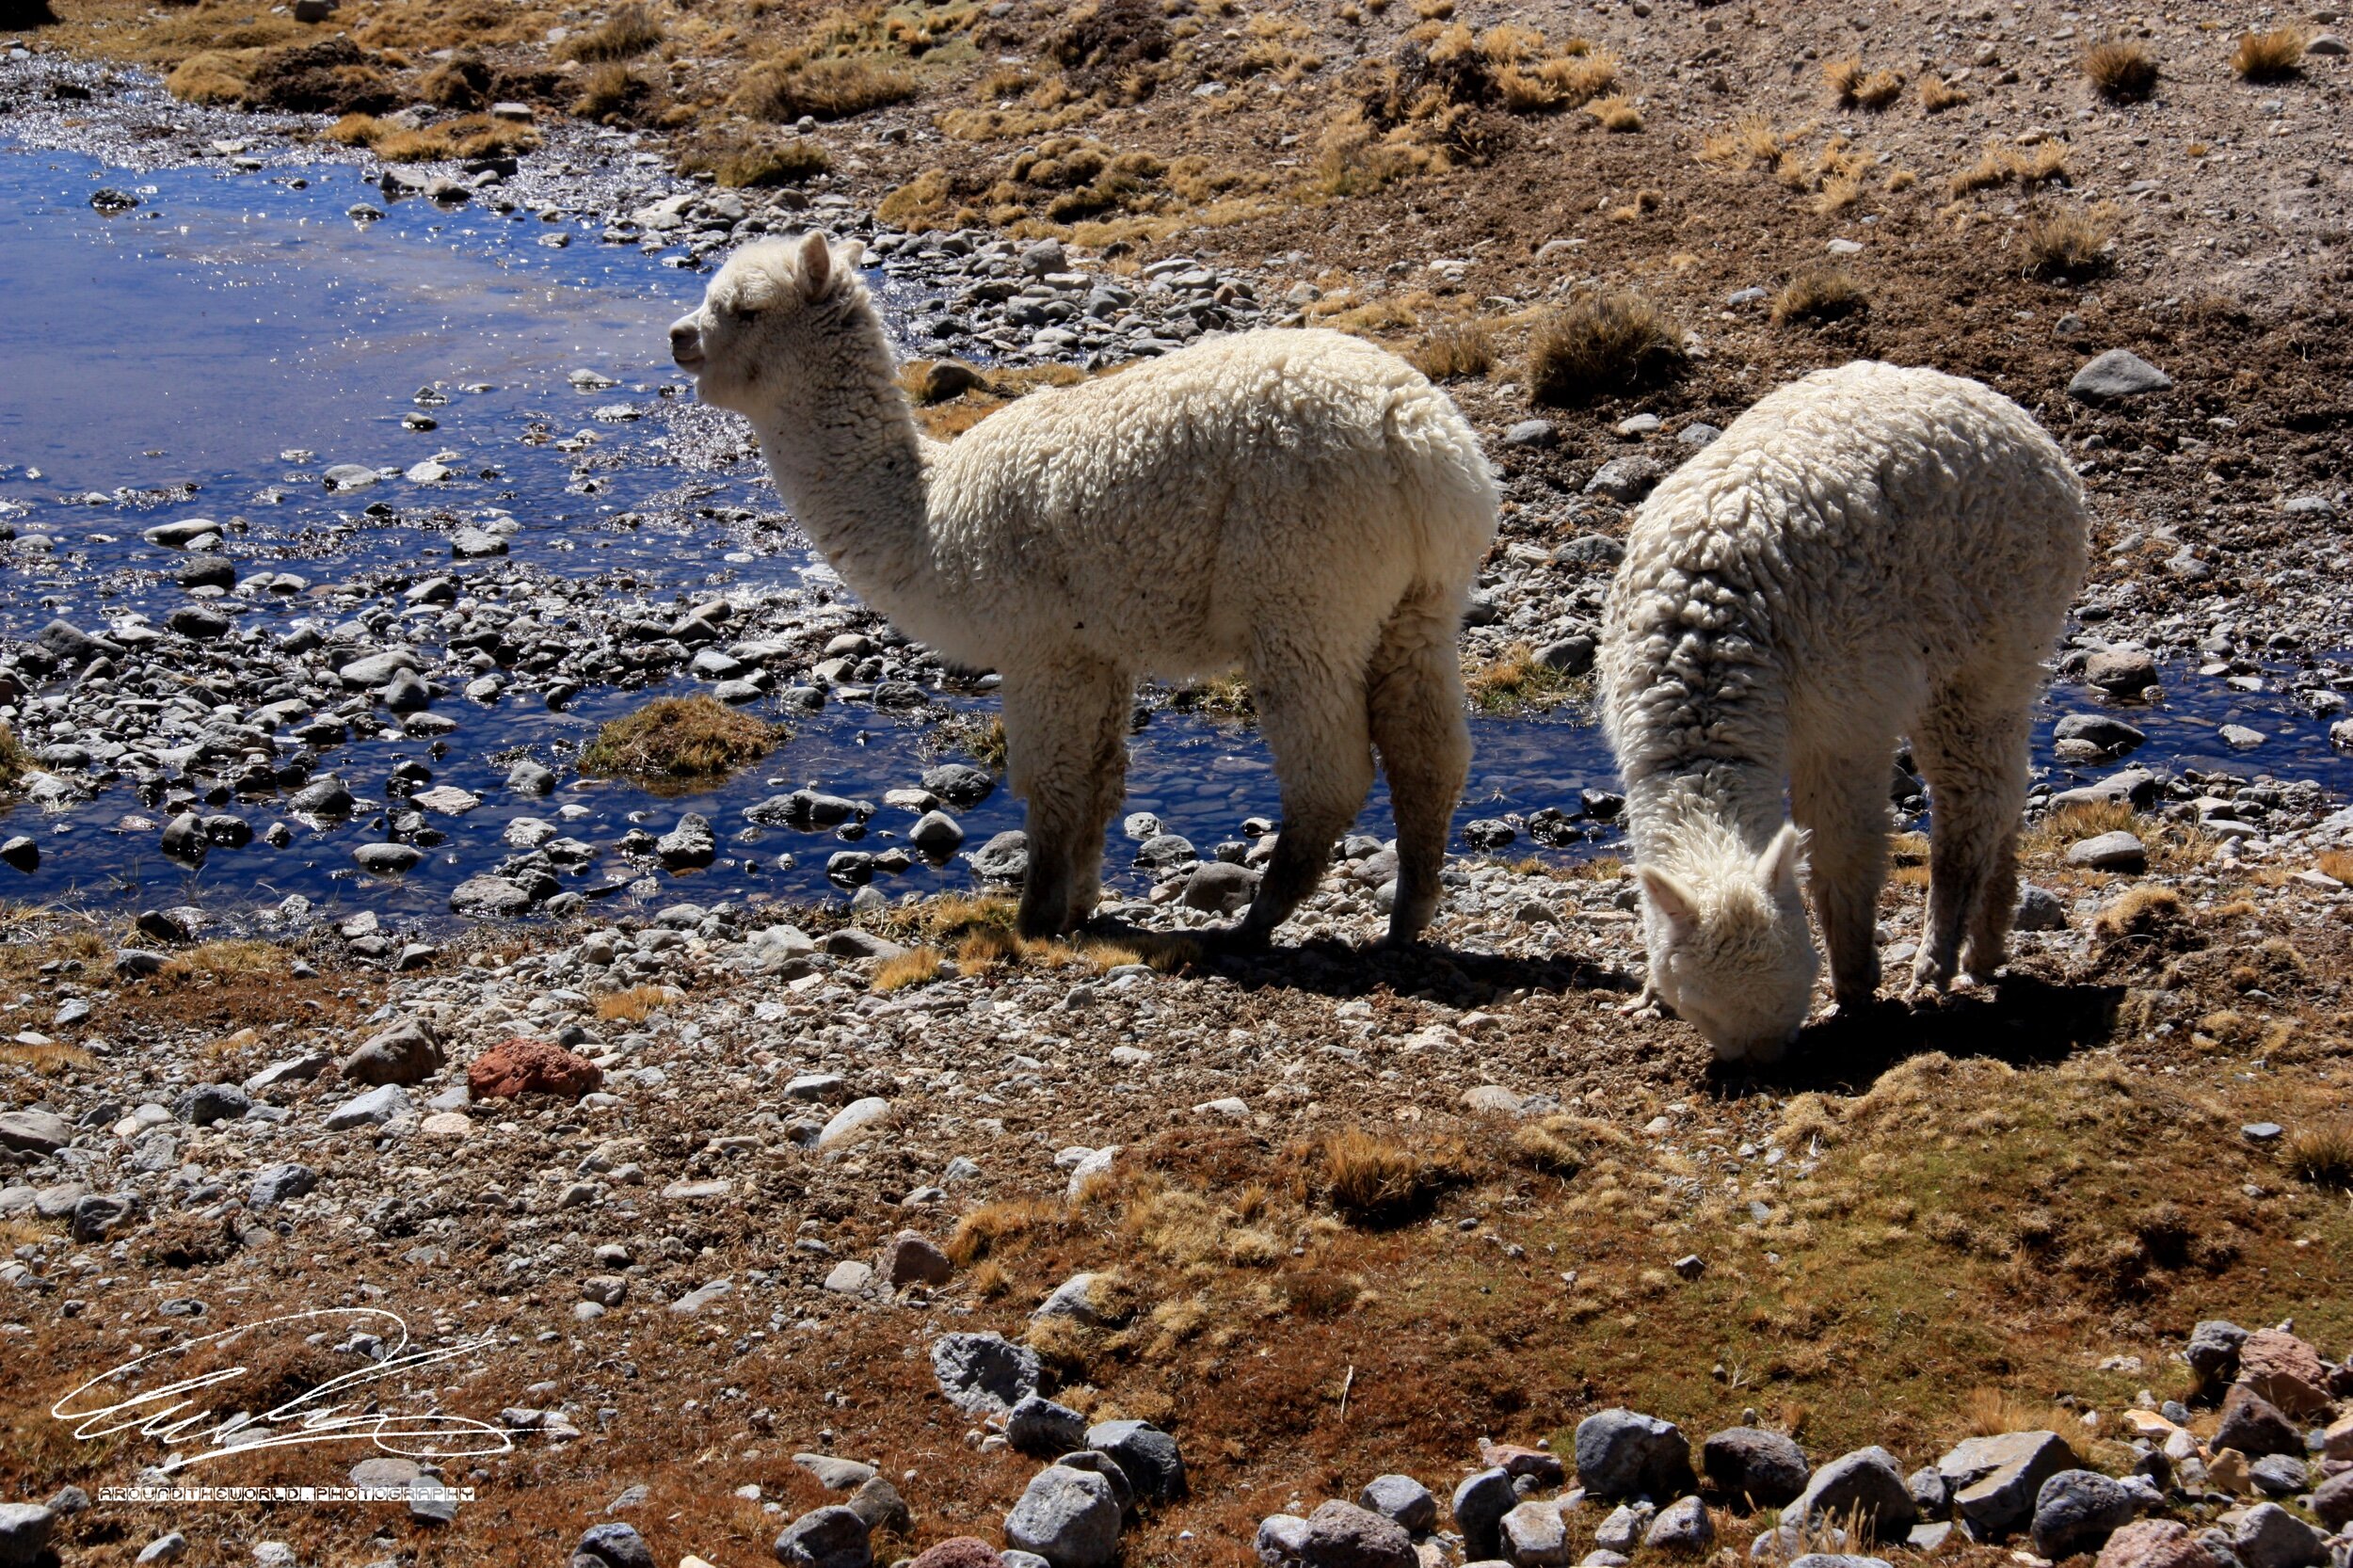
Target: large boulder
1753	1468
2255	1427
1069	1517
2076	1511
1148	1454
2268	1536
1996	1480
522	1066
1480	1501
1337	1535
1403	1499
829	1537
1865	1488
1039	1426
984	1374
406	1052
2286	1370
1623	1453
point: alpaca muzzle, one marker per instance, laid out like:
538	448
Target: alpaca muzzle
686	343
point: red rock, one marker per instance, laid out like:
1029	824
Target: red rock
2286	1370
526	1066
2156	1544
962	1551
1514	1460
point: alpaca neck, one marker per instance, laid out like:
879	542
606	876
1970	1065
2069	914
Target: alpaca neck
1706	814
849	462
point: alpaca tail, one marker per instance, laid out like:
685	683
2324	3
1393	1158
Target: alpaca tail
1449	486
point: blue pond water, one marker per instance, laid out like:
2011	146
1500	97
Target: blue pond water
212	351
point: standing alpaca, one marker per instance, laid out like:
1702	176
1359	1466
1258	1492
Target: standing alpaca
1866	553
1301	503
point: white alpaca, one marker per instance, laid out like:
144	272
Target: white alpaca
1866	553
1301	503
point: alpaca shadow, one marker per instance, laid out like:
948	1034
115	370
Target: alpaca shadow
1330	967
2022	1019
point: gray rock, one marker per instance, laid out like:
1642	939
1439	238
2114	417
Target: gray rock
2120	672
2268	1536
2279	1475
208	1103
1837	1559
1148	1454
2102	734
2118	373
2213	1351
489	898
1996	1480
1863	1491
1004	859
984	1374
1098	1462
1534	1536
1930	1493
612	1546
164	1548
2076	1511
2038	909
2118	851
1622	1530
879	1504
1219	888
690	844
1532	433
1625	480
1569	656
1038	1426
1682	1527
1084	1296
387	860
97	1215
281	1183
835	1474
2332	1501
1623	1453
959	784
1337	1535
23	1533
1068	1516
376	1106
35	1132
829	1537
1478	1505
1403	1499
936	834
1755	1467
2255	1426
853	1119
406	1052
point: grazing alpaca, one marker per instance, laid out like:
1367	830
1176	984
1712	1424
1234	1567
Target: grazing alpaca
1301	503
1868	552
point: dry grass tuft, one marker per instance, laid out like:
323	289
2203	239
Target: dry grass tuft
1602	344
916	966
1991	1412
2322	1155
1516	681
2122	71
1937	95
1545	1147
1616	112
990	1227
2268	57
631	31
2141	911
2041	164
1457	350
753	162
678	738
1375	1182
636	1005
1750	142
230	958
828	88
467	136
49	1060
1819	294
15	761
2073	241
2337	863
1855	87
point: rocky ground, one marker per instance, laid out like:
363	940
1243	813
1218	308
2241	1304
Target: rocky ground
707	1201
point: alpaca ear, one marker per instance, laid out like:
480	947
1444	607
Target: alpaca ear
848	257
1670	898
816	270
1777	868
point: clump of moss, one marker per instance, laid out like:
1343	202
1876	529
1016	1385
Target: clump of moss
678	738
1599	344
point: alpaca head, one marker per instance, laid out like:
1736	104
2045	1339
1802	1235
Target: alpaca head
1729	948
772	308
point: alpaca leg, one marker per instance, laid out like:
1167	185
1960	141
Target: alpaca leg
1414	699
1972	750
1065	741
1315	722
1842	803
